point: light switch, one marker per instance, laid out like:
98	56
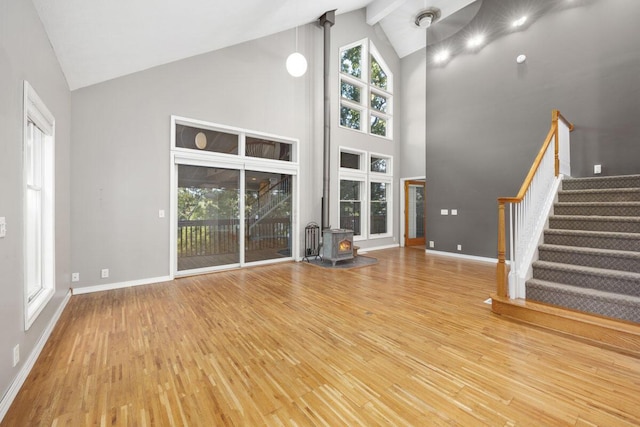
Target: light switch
444	211
161	213
3	226
454	211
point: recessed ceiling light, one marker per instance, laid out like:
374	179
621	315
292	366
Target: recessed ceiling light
475	41
519	22
441	56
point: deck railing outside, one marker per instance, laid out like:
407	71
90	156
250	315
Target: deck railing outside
217	237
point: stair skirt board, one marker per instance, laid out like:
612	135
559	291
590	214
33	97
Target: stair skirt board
588	300
614	334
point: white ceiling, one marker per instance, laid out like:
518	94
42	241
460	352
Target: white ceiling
99	40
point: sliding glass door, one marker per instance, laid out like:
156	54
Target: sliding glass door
233	199
208	207
267	216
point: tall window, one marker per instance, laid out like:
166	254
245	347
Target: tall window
39	248
365	193
351	205
366	88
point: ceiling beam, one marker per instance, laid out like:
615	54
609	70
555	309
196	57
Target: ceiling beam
378	9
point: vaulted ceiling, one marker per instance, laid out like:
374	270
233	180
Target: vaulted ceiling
100	40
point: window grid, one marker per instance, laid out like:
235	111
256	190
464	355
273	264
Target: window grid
369	215
365	95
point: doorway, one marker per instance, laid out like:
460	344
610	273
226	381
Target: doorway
414	213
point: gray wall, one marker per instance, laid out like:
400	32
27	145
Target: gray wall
488	116
413	124
121	145
121	140
25	54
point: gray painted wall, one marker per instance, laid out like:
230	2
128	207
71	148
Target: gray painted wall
413	124
25	54
121	141
488	116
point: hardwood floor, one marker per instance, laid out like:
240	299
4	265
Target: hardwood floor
407	341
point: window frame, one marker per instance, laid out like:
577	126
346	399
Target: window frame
37	113
241	162
367	90
366	177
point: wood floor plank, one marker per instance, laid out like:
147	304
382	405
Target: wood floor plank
407	341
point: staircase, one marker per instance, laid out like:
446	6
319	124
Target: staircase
590	258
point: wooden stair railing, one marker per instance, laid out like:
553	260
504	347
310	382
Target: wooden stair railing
552	136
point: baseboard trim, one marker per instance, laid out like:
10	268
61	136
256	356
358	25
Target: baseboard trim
620	336
463	256
17	383
375	248
120	285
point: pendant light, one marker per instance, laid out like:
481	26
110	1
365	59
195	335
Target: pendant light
296	62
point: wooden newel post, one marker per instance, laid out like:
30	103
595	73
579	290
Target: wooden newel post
501	272
555	114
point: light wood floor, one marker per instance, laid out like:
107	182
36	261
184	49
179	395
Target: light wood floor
407	341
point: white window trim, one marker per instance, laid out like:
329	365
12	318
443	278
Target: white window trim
389	165
364	219
389	200
36	111
366	177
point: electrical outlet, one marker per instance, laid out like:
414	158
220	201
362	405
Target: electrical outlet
3	226
459	247
432	244
104	273
75	277
16	354
597	168
454	211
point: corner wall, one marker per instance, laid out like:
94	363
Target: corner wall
488	116
25	54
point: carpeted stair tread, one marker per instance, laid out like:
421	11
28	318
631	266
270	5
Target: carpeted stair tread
586	256
603	195
610	224
626	307
614	218
624	282
600	182
594	239
607	209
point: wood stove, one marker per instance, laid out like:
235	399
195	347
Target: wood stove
337	245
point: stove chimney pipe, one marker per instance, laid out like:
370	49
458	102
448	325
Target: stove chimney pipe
326	21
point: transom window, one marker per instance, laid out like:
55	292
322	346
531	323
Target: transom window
366	88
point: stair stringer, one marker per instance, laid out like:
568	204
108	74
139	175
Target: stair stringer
519	276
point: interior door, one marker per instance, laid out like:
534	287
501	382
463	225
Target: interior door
414	213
